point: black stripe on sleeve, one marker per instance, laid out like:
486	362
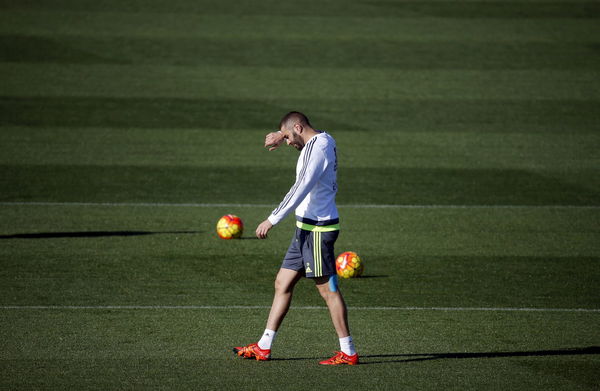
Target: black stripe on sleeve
292	192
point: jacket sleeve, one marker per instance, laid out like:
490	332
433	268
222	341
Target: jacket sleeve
315	163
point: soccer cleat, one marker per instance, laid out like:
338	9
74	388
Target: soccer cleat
340	359
253	351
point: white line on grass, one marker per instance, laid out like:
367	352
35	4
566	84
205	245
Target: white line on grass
242	205
251	307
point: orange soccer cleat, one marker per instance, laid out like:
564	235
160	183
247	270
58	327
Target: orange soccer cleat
340	359
253	351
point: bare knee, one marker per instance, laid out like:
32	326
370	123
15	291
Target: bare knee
326	293
281	286
324	285
284	283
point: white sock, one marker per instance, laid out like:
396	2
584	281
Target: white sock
347	346
267	339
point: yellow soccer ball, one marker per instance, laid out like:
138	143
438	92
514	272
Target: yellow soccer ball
349	265
230	227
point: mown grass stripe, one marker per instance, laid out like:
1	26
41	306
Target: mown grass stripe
250	205
250	307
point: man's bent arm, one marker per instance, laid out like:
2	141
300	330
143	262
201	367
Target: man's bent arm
304	184
273	140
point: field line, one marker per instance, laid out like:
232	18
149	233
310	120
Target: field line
246	205
250	307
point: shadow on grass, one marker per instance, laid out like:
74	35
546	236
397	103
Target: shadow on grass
298	359
403	358
90	234
413	357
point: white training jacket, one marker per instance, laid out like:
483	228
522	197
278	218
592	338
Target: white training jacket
313	194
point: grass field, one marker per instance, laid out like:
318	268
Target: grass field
468	139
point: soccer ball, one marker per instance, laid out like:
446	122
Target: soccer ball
349	265
230	227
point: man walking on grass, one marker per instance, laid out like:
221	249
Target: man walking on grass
311	252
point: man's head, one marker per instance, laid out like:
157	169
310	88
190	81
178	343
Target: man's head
296	129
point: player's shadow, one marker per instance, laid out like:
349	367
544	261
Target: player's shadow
91	234
413	357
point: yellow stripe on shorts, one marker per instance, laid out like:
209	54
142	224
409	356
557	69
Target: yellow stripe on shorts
318	260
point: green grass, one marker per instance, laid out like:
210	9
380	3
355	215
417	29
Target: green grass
481	118
160	349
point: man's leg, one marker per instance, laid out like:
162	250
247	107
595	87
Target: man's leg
339	315
337	306
284	288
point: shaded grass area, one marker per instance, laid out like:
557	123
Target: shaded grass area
444	9
175	278
284	85
570	157
574	116
227	184
85	255
48	23
281	53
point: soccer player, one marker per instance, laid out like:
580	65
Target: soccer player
311	252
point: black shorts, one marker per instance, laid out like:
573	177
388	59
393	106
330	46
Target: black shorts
312	252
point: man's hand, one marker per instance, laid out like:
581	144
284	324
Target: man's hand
273	140
263	228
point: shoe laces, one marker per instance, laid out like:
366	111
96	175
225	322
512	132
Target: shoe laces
247	350
339	358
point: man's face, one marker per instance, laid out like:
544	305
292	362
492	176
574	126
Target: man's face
291	136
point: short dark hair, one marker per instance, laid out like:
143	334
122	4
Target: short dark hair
294	117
